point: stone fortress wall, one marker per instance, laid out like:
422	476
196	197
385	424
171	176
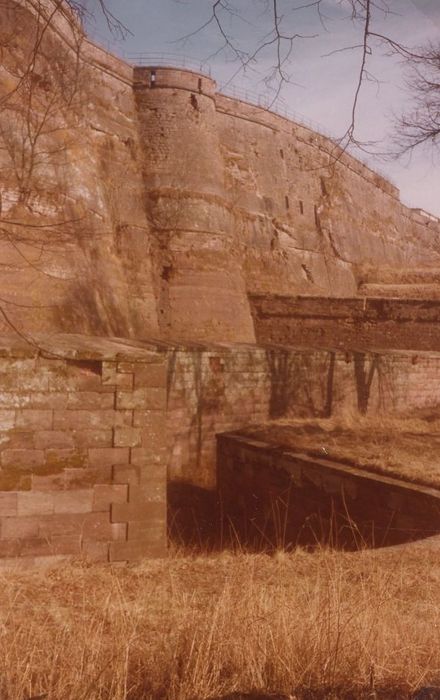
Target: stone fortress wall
274	207
179	201
84	263
166	228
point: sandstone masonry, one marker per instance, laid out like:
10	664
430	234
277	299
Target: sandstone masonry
178	202
176	264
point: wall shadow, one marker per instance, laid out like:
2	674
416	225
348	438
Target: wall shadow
194	516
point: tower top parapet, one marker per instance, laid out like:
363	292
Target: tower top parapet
158	76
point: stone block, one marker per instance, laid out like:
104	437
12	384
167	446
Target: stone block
8	504
48	562
151	375
9	548
37	400
127	367
14	564
105	494
119	531
26	382
53	439
49	482
134	550
151	421
99	526
153	532
150	489
75	379
13	366
144	456
152	470
74	501
15	479
85	476
24	459
127	437
101	419
93	438
15	528
62	544
108	455
108	375
85	525
118	379
34	419
90	400
125	512
61	459
7	420
95	551
125	474
42	547
35	503
16	440
151	398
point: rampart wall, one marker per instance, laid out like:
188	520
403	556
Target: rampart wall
163	201
310	218
350	323
76	256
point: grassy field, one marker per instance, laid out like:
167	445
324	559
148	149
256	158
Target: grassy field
303	625
405	448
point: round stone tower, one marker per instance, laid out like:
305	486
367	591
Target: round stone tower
199	285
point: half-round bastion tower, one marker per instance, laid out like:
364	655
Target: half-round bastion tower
200	289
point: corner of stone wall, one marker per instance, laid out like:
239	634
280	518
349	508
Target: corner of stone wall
83	458
140	391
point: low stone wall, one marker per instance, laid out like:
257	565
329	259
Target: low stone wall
91	429
273	497
353	323
217	389
82	450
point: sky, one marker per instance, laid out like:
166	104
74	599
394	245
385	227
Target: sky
322	78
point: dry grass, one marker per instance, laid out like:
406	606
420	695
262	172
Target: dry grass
408	448
204	627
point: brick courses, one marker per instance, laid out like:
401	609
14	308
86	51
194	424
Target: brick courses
92	482
74	447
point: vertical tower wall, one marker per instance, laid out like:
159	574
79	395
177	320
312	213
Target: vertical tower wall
199	284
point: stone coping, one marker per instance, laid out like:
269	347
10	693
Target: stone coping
82	347
76	346
339	307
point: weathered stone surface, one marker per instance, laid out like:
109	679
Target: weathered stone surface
62	471
220	203
219	199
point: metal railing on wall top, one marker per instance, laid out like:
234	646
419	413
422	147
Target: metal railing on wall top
272	104
168	60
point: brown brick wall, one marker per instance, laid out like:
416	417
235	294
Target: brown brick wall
350	323
82	458
86	442
213	390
